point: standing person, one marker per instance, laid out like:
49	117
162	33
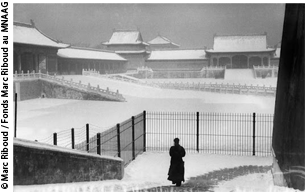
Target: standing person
176	170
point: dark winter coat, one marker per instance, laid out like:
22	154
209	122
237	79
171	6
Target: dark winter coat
176	170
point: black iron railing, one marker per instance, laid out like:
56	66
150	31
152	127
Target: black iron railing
218	133
221	133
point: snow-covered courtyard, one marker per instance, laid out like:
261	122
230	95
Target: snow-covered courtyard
39	118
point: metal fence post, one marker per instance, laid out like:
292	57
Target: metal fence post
87	137
118	140
144	131
72	138
54	138
133	137
254	117
99	143
198	124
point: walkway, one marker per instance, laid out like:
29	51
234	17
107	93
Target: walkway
206	182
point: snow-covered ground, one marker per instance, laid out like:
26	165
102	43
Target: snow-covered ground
39	118
150	170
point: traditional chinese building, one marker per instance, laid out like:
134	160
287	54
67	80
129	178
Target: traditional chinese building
162	43
33	50
177	63
240	51
73	60
130	45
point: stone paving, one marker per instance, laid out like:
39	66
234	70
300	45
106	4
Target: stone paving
206	182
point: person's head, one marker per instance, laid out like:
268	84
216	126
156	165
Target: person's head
176	141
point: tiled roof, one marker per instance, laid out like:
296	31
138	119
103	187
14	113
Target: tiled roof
82	53
29	34
240	43
162	40
125	37
196	54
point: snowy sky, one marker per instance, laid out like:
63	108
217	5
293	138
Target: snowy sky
190	25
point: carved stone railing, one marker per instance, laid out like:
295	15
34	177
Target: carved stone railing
221	88
78	85
265	71
119	77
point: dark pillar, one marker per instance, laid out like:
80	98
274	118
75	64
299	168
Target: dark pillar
289	120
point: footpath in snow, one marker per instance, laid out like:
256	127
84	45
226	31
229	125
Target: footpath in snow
150	170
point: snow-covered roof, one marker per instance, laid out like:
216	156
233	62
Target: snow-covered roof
240	43
125	37
196	54
161	40
82	53
29	34
44	146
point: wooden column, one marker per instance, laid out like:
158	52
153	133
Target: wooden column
56	64
19	62
248	61
218	61
68	69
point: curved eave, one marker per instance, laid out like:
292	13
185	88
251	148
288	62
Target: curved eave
50	46
131	52
167	60
82	58
261	51
178	70
73	56
65	57
117	44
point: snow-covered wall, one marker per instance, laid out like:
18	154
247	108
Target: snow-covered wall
39	163
27	89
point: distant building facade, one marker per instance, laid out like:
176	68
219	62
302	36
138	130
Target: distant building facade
129	45
73	60
33	50
179	63
240	51
126	50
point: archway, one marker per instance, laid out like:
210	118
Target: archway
215	62
16	62
240	62
265	61
254	61
224	61
27	61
